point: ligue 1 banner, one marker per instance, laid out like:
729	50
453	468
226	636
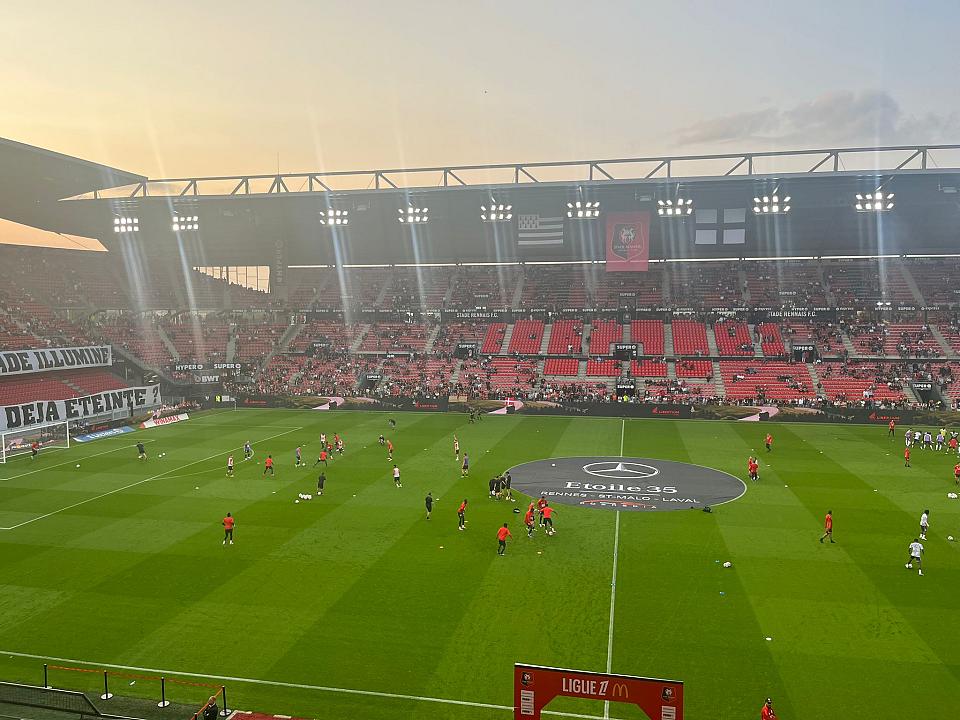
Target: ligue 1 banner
21	362
42	412
628	241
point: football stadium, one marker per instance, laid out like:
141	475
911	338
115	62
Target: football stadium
477	441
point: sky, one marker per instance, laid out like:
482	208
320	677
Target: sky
177	88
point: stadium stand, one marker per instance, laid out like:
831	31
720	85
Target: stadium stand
648	368
733	338
566	338
160	316
561	366
690	338
604	333
527	337
766	381
604	368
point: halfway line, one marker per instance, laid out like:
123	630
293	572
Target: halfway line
613	604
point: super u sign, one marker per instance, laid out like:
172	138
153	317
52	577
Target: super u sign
534	686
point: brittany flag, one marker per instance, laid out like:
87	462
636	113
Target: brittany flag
533	230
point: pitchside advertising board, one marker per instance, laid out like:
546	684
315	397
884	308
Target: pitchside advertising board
534	686
43	412
626	483
21	362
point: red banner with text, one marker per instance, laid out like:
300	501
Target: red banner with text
535	686
628	241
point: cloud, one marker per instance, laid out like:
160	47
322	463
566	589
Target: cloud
849	118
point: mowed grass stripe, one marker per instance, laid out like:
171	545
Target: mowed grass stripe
568	582
397	581
847	600
671	615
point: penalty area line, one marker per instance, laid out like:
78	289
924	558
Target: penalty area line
68	462
290	685
165	473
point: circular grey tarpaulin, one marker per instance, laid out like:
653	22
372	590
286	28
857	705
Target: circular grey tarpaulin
619	483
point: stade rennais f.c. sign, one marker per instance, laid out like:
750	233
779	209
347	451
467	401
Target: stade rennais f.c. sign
626	483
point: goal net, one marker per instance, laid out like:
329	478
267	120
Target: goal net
20	442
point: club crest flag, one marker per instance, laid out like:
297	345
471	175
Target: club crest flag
628	241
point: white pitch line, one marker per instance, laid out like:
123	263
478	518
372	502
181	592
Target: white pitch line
613	605
613	582
139	482
68	462
296	686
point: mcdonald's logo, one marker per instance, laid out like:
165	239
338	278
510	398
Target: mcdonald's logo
621	689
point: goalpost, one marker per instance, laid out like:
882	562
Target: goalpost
18	442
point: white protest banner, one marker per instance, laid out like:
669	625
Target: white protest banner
41	412
21	362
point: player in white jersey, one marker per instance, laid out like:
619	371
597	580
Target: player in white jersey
247	450
456	447
396	476
924	524
323	439
908	438
927	441
916	551
940	439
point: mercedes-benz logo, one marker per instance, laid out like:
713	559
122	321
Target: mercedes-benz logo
619	470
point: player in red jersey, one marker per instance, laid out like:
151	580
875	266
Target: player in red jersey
389	449
548	520
766	712
906	457
828	527
461	515
956	473
768	441
34	449
541	504
753	469
502	535
322	459
891	428
268	465
528	521
228	523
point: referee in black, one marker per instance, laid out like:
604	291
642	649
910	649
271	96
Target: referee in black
320	483
428	501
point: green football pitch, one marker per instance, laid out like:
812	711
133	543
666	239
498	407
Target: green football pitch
353	605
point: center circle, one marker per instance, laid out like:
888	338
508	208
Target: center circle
626	483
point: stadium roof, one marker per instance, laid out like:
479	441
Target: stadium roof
787	163
33	180
279	219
